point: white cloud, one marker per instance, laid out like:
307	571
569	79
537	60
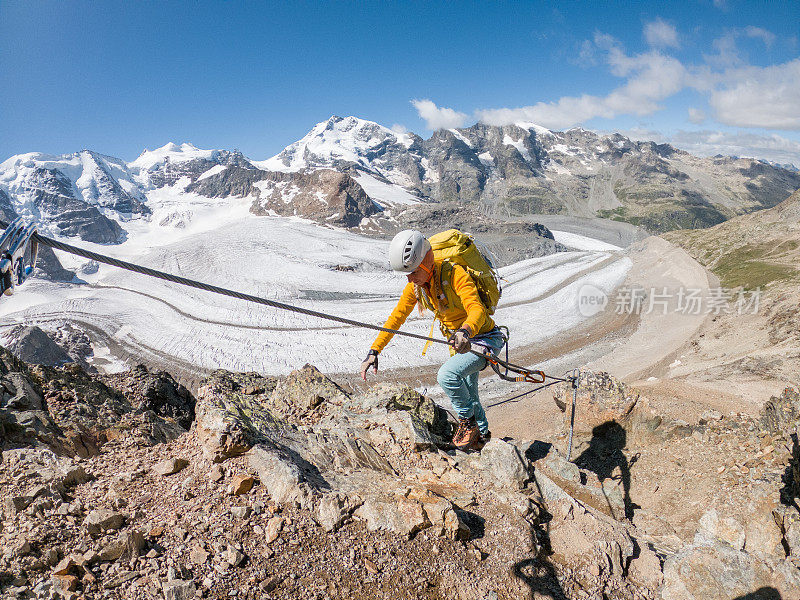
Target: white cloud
586	54
661	34
768	147
398	128
759	96
772	147
651	78
565	112
727	52
738	94
696	115
439	117
757	32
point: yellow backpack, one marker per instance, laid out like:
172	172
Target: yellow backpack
454	247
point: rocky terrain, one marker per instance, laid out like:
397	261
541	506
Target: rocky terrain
130	486
758	350
757	250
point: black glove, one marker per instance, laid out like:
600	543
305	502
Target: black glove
460	341
370	361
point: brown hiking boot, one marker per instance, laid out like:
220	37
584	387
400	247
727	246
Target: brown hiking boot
466	434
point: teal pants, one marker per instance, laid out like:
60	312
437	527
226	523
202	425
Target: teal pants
458	377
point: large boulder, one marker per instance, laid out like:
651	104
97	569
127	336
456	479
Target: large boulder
304	390
781	413
553	469
398	397
155	391
31	344
601	399
714	570
230	419
501	464
586	540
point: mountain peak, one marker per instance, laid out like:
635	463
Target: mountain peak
538	129
169	152
346	139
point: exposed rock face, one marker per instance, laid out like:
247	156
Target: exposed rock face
157	392
7	212
166	172
75	413
76	342
324	195
717	570
237	181
33	345
49	267
782	413
54	196
22	412
528	169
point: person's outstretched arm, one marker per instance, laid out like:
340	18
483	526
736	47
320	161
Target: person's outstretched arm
406	303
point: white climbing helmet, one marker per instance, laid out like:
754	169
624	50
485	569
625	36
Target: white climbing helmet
407	250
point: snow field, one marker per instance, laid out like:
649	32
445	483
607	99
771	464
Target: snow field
290	261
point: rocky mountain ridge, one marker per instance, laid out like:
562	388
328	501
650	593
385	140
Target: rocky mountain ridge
751	250
501	171
130	486
525	169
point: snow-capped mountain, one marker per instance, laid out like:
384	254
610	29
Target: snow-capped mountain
525	168
94	197
169	164
502	171
82	194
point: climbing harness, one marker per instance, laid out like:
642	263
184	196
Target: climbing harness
18	250
19	246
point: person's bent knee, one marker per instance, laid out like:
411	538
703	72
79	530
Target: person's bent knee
447	378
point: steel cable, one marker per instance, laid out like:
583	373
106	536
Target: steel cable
220	290
115	262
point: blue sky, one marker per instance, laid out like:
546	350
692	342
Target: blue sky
117	77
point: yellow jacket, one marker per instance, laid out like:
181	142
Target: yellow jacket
455	303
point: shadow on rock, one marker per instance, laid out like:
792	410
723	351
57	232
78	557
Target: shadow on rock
605	455
764	593
476	523
790	491
538	573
